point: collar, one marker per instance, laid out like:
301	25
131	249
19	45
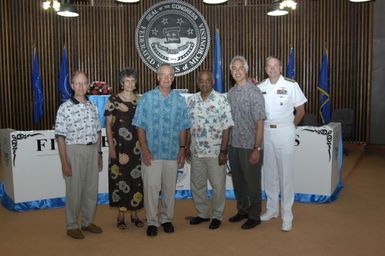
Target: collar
241	87
279	80
158	92
75	101
210	97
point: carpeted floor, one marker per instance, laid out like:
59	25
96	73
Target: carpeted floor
353	225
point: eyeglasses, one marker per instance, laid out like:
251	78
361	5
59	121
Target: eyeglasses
170	76
85	84
235	68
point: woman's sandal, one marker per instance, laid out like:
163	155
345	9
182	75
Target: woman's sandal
138	223
120	223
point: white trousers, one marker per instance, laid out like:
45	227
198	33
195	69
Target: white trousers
278	169
203	169
160	176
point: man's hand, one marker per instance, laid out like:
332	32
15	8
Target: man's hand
222	158
146	158
188	154
181	157
67	171
255	157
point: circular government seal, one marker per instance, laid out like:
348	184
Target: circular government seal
173	32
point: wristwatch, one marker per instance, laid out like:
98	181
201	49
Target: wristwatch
258	148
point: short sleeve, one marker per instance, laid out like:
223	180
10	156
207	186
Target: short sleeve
60	124
139	117
259	103
185	122
227	119
298	96
110	107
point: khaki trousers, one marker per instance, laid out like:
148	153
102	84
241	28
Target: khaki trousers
82	186
160	176
203	169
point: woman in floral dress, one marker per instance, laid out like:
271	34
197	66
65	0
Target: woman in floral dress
124	172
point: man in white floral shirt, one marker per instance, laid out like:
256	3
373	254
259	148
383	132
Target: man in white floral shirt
78	135
210	117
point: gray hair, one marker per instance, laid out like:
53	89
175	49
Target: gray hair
128	72
78	72
166	65
241	58
271	57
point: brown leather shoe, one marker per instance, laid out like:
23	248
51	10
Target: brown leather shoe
93	229
75	233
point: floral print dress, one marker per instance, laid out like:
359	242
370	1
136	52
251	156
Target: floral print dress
124	173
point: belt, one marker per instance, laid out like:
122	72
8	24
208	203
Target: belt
90	143
280	125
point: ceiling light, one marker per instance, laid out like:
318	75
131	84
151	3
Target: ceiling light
275	9
360	1
67	9
214	1
128	1
46	5
56	5
290	4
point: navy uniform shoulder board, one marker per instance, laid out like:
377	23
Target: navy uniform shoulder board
289	79
261	82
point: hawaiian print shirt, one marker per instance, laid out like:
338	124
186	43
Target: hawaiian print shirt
208	120
77	122
163	118
247	107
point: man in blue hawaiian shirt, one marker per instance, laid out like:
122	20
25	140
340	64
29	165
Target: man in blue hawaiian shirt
162	121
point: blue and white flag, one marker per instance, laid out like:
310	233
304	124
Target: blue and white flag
37	90
290	71
64	80
323	87
218	77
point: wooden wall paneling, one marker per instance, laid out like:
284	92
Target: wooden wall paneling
101	42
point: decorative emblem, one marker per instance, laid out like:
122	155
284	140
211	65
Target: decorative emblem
173	32
16	138
328	135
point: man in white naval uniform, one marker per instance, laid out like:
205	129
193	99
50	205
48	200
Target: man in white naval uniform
282	96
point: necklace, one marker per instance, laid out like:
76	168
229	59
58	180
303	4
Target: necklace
125	97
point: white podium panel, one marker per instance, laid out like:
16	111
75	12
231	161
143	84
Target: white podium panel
32	169
316	159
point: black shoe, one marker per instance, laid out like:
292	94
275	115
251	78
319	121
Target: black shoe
198	220
238	217
215	223
152	230
249	224
168	227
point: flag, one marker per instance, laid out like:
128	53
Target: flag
37	90
64	81
218	77
323	87
290	71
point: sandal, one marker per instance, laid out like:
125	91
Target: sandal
120	223
138	222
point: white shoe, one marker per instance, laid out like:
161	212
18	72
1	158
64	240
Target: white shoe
287	226
268	216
